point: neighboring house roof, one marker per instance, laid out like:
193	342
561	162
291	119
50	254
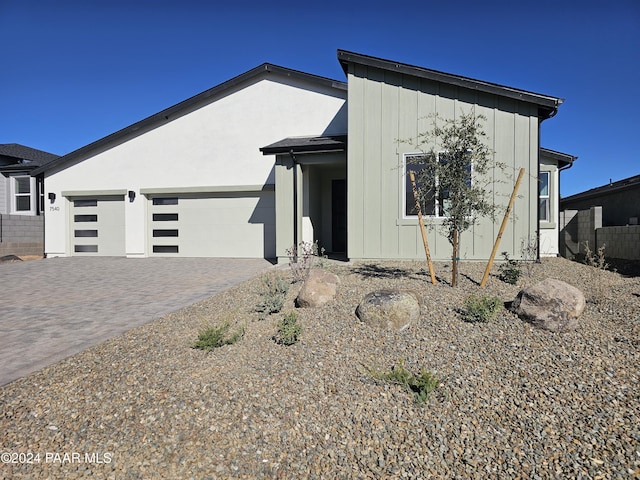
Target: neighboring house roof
183	107
547	105
19	157
611	187
326	143
563	159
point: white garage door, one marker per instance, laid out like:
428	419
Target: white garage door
97	225
213	225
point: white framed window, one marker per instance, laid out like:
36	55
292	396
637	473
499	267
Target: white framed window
23	188
435	200
544	208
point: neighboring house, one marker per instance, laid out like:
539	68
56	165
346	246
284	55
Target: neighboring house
620	201
192	180
603	217
21	226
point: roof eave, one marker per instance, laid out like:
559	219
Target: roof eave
548	104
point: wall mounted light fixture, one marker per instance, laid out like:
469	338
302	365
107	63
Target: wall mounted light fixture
132	195
52	197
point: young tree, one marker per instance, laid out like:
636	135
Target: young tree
453	176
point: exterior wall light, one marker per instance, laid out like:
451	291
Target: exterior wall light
132	195
52	197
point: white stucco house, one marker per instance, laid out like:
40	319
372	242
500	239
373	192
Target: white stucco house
276	156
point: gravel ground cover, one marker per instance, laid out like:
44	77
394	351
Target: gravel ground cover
514	402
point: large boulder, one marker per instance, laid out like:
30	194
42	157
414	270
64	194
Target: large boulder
551	304
393	309
318	288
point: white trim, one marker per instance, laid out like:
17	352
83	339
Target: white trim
547	196
437	205
14	195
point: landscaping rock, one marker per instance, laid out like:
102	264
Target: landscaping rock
319	288
551	305
393	309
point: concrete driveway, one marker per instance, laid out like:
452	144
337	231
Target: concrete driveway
51	309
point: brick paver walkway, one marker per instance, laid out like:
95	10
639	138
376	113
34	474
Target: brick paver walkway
51	309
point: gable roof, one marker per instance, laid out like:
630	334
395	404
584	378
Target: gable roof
547	105
25	155
169	114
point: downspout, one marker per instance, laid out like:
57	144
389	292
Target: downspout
538	189
550	114
295	206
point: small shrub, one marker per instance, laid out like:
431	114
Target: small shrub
302	258
510	271
420	385
596	259
598	283
212	336
529	252
289	329
480	308
273	296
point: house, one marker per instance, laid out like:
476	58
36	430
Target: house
620	201
275	157
21	223
602	217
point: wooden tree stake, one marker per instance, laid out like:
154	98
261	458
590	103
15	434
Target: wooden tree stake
502	227
412	177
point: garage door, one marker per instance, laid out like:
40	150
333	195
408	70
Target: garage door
97	225
213	225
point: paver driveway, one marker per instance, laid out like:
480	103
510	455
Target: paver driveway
53	308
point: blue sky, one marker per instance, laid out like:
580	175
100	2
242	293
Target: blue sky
75	71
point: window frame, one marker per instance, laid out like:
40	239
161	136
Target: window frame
15	194
438	201
546	197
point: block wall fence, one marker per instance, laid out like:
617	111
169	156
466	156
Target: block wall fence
580	226
21	235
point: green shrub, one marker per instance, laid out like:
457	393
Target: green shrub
212	336
480	308
510	271
289	329
273	295
420	385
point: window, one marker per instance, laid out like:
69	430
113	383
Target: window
544	209
165	201
435	199
23	189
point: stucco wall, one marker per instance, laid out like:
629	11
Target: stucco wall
216	145
549	232
385	107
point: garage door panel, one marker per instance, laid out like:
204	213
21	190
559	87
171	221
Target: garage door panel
215	226
97	226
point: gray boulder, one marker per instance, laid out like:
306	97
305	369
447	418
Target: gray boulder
551	305
318	288
393	309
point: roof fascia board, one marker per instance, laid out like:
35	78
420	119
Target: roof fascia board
171	113
542	100
558	156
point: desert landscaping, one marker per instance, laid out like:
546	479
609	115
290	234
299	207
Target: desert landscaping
511	401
